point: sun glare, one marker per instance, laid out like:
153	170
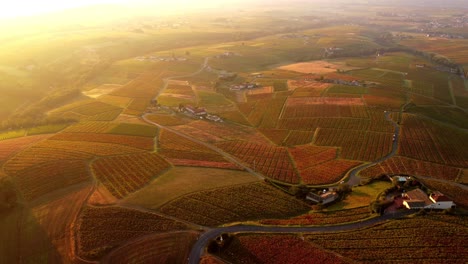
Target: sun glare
21	8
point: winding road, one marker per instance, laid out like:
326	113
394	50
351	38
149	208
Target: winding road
354	179
198	249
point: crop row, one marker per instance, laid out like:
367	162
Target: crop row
91	127
272	113
402	165
171	141
122	175
273	162
355	144
325	110
93	148
323	218
328	172
276	249
105	116
236	203
144	86
395	241
43	178
296	137
101	229
373	124
308	155
131	141
275	135
94	108
425	140
11	146
35	156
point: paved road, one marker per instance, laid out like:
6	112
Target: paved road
199	247
356	180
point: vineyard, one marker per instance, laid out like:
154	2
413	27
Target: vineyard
94	108
276	249
355	144
101	229
272	113
421	139
12	146
159	248
91	148
55	218
166	120
323	218
405	241
296	137
91	127
236	203
308	156
407	166
145	143
328	172
277	136
44	178
273	162
35	156
144	86
214	132
129	129
324	111
122	175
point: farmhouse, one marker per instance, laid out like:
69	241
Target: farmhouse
417	199
196	111
324	198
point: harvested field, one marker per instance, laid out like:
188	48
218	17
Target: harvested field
317	67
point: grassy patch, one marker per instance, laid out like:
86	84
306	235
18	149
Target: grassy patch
361	195
46	129
12	134
183	180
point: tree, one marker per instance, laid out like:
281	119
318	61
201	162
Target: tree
7	195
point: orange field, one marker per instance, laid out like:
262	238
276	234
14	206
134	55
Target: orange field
235	203
131	141
355	144
273	162
328	172
406	166
158	248
275	135
92	148
214	132
424	140
35	156
12	146
102	228
308	156
91	127
122	175
166	120
298	138
276	249
44	178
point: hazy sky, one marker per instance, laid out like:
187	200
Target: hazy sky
15	8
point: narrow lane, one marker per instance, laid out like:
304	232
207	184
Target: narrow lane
354	179
199	247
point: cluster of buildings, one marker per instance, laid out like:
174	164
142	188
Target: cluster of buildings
242	86
418	199
199	112
156	58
